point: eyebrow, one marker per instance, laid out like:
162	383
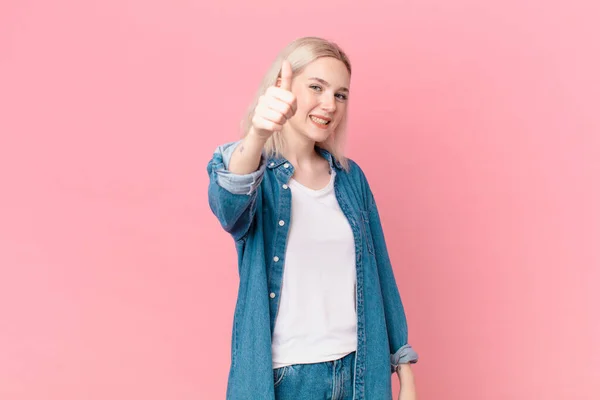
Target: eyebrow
324	82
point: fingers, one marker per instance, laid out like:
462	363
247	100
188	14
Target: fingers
262	124
271	114
283	107
283	95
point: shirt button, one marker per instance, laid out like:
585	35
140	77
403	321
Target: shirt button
284	186
275	258
272	295
286	165
272	163
281	223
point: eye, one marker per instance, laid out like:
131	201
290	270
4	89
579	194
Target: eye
342	96
315	87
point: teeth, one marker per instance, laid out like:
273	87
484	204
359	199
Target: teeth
319	120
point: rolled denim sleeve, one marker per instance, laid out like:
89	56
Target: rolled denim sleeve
235	183
404	355
233	197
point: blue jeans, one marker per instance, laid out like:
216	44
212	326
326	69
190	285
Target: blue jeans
330	380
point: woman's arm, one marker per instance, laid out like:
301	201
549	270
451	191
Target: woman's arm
246	157
408	390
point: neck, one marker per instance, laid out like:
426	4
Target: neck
299	150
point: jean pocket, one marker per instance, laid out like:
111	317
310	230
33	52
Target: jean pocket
279	374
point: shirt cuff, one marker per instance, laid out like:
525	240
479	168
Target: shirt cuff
404	355
236	183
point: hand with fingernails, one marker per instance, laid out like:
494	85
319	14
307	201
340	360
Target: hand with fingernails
276	106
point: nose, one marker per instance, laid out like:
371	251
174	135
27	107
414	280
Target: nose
329	104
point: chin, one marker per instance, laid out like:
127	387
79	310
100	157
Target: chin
319	137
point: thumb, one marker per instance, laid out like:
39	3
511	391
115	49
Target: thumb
286	76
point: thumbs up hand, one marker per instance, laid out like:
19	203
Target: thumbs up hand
276	106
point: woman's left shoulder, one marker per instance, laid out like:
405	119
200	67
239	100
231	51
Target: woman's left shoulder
359	182
355	171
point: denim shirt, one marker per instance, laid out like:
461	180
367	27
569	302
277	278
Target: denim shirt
255	210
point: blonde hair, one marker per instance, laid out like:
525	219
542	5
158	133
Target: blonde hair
300	53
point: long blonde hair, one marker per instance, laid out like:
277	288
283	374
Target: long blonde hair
300	53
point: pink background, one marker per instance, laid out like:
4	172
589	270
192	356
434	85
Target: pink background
477	123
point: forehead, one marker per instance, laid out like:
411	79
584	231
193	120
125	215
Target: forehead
330	69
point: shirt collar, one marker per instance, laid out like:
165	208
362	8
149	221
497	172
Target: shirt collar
276	161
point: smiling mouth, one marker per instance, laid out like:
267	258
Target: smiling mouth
320	121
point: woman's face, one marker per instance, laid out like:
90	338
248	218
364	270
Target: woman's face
321	90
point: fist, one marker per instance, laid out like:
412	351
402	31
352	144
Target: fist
276	106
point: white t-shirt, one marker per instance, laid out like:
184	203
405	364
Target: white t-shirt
316	321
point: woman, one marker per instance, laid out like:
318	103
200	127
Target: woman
331	324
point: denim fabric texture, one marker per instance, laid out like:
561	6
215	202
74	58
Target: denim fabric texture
255	210
330	380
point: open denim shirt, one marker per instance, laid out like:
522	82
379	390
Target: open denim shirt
255	209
